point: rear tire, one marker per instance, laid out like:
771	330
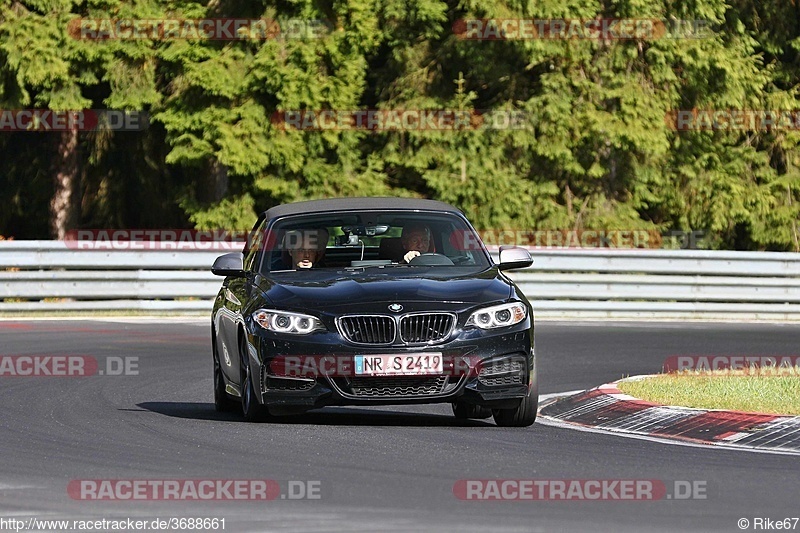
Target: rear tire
525	414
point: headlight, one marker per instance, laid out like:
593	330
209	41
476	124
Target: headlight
285	322
498	316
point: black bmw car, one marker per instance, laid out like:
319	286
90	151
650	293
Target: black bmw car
326	306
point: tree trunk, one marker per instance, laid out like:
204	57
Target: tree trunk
568	198
214	185
65	177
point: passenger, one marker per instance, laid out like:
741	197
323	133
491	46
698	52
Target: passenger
416	240
306	248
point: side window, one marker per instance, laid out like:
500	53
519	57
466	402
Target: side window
458	245
447	239
254	246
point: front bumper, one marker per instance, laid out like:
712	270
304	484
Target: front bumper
489	369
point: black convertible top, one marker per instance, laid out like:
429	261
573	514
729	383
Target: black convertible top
352	204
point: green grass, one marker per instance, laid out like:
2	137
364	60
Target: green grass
774	394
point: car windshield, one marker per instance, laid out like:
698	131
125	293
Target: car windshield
361	240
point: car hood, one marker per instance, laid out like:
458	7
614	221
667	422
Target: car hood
307	290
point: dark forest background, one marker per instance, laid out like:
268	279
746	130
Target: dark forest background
596	151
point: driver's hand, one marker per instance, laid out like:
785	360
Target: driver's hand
410	255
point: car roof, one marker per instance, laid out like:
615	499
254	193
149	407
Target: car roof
356	204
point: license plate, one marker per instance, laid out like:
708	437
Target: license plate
420	364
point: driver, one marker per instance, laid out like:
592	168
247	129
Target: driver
306	247
416	240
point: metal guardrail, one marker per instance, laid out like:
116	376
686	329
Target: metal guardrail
51	276
592	283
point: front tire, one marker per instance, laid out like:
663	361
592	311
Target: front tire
222	402
525	414
252	410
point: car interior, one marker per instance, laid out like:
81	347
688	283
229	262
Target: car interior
355	244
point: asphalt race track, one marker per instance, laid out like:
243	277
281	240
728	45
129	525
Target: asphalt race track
379	469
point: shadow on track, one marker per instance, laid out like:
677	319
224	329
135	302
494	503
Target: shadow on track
330	416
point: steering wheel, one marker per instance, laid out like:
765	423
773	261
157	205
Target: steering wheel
431	259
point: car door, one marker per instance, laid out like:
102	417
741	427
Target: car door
236	293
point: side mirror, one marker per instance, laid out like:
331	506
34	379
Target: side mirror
231	264
514	257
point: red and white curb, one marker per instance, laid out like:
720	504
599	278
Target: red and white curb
607	409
